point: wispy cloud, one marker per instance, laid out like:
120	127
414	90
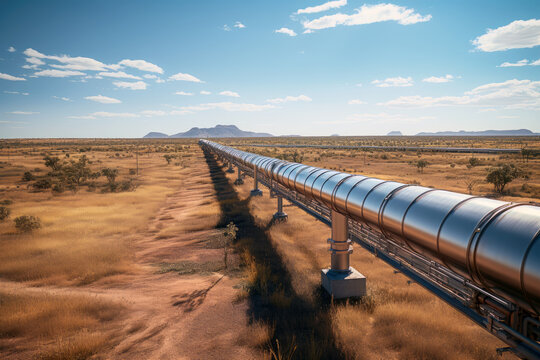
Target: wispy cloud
63	98
11	77
137	85
229	93
516	35
286	31
142	65
323	7
119	74
378	118
58	73
103	99
183	93
16	92
368	14
11	49
106	114
524	62
184	77
290	99
204	92
439	79
22	112
227	106
239	25
394	82
150	113
356	102
510	94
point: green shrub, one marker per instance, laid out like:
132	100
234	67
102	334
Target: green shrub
27	223
28	176
4	213
42	184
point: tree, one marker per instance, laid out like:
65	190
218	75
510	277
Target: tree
502	175
53	163
471	183
421	164
229	237
474	161
169	157
525	154
27	223
110	174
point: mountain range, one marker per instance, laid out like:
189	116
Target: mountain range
519	132
219	131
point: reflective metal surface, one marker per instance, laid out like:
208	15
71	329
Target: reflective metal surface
493	243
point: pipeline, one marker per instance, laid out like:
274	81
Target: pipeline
492	243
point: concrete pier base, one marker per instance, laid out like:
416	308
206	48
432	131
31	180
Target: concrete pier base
343	284
280	216
255	192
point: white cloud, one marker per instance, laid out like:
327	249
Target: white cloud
239	25
16	92
141	65
289	99
11	49
368	14
184	77
438	79
154	113
226	27
22	112
394	82
356	102
111	115
62	98
119	74
286	31
183	93
229	93
150	76
159	81
516	35
524	62
58	73
103	99
31	67
137	85
323	7
510	94
204	92
71	63
35	61
11	77
180	112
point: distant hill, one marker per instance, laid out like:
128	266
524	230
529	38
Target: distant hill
219	131
520	132
394	133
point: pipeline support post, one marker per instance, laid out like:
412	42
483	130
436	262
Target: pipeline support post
342	280
280	215
230	170
239	180
256	191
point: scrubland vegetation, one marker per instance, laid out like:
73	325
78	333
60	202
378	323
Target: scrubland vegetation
125	249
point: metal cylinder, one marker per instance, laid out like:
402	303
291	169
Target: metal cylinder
493	243
340	245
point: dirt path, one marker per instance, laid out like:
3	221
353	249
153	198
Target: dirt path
170	316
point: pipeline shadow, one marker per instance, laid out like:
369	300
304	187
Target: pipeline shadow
300	326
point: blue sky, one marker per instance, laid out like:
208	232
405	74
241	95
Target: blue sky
124	68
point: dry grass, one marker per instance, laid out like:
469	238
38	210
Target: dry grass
65	325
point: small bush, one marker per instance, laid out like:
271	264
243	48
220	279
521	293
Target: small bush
4	213
28	176
6	202
42	184
27	223
58	188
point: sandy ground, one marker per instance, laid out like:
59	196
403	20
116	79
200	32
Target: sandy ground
168	316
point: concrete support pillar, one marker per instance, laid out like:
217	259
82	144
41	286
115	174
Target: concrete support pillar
256	191
341	280
239	179
280	215
230	170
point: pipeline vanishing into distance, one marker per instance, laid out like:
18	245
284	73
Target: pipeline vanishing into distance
493	243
